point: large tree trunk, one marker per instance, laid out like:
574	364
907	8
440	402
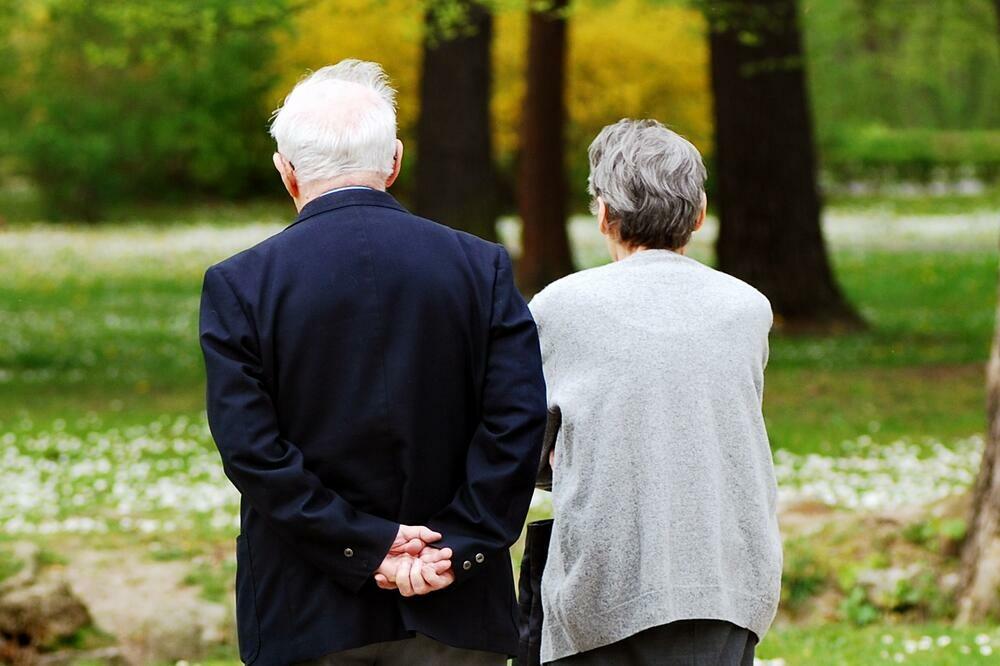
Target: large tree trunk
979	592
542	188
455	179
768	200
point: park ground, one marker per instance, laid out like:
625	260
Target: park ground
110	473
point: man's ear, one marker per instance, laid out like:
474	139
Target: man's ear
703	212
397	164
287	172
602	217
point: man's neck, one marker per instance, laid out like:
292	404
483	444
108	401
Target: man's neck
318	188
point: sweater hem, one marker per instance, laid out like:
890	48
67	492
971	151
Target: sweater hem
573	633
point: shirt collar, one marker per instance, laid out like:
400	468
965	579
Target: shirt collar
344	189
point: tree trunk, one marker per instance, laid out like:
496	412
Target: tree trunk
979	591
768	200
542	187
455	178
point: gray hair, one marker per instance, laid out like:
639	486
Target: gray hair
340	119
652	181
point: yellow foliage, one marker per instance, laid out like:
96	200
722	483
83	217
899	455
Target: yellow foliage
385	31
627	58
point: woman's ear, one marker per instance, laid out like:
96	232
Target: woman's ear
602	217
704	211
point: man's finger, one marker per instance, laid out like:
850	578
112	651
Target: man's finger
403	577
431	554
413	547
441	567
384	582
438	580
427	535
417	579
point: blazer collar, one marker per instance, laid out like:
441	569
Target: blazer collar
334	200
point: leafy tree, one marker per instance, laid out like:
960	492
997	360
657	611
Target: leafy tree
143	101
900	63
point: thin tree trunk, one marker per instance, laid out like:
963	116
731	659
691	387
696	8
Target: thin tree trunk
979	591
768	200
455	178
542	187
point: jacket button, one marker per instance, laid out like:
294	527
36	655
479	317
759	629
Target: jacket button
348	552
467	565
480	558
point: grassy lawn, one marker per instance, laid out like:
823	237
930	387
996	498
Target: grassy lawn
847	645
105	444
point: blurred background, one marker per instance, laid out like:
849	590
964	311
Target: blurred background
854	156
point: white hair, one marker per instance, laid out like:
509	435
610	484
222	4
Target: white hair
338	120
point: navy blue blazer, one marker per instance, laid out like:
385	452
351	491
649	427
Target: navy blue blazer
367	368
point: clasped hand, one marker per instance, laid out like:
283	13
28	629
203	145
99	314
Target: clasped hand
413	566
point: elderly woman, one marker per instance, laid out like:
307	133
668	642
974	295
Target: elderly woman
665	547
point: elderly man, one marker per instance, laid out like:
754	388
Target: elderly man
656	363
375	391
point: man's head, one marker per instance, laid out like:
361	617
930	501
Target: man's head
648	185
337	127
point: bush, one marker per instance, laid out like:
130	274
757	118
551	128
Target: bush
125	101
879	153
804	576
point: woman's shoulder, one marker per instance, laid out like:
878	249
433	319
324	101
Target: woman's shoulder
569	293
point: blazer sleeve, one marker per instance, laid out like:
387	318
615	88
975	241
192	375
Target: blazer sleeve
488	511
268	470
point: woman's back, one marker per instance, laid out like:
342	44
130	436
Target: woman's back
664	491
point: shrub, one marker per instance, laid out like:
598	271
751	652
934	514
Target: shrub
124	101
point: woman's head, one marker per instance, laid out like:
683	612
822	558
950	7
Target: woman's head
648	185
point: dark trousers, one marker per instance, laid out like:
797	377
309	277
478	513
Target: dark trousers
410	652
683	643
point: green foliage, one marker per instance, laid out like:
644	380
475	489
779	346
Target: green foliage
9	565
911	154
804	576
215	580
125	101
857	608
936	533
922	595
901	63
87	638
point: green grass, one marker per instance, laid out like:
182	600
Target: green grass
9	565
847	645
91	327
215	580
897	204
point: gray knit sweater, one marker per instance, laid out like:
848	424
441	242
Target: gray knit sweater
663	490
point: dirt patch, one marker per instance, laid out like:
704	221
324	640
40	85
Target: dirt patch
147	605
